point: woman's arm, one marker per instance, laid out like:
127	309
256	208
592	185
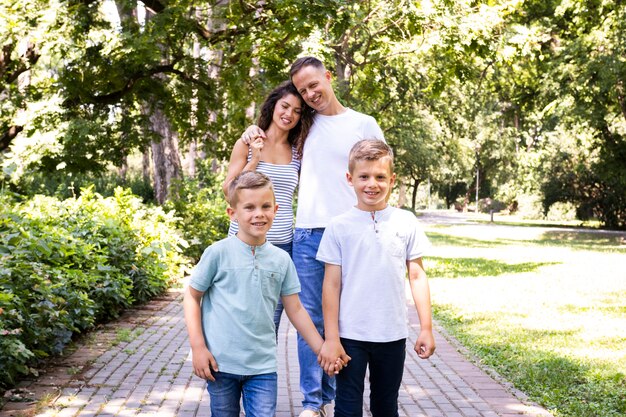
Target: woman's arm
239	161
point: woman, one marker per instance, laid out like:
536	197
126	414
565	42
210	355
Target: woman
286	120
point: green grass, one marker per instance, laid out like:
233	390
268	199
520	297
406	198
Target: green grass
475	267
598	241
547	313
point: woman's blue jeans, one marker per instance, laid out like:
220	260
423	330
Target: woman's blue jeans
316	387
279	307
258	392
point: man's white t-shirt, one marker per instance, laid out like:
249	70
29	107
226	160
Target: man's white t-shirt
324	191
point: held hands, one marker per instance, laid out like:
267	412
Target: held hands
332	357
203	362
252	132
257	147
425	344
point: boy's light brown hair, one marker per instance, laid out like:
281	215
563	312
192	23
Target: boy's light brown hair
247	180
370	150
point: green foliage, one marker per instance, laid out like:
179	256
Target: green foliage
528	95
64	185
67	265
201	208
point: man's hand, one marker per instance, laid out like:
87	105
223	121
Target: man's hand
203	362
252	132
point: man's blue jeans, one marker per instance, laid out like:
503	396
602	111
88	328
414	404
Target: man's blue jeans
259	394
386	365
317	387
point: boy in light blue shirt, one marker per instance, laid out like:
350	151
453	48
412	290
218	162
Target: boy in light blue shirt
230	301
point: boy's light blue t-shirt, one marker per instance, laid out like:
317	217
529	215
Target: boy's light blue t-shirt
241	293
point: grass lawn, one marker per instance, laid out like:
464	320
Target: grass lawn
545	308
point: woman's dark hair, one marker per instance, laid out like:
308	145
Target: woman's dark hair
298	134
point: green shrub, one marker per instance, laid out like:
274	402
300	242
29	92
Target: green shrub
201	207
66	265
62	185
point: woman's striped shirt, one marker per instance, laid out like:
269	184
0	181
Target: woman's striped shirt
285	180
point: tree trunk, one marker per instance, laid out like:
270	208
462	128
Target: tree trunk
416	184
402	195
165	157
145	165
190	160
122	170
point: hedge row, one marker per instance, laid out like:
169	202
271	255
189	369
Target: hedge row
67	265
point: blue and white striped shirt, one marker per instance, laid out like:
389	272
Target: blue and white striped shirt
285	180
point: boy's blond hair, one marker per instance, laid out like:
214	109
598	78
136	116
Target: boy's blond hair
247	180
370	150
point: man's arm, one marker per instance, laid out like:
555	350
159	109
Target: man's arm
420	290
203	360
251	133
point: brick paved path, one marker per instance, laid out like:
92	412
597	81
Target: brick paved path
151	375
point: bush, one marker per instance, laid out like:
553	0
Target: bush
63	185
485	205
561	212
201	208
67	265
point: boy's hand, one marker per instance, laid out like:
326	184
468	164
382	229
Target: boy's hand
203	362
332	357
425	344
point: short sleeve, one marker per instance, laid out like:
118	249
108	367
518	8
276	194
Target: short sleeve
203	274
291	283
417	243
372	130
329	250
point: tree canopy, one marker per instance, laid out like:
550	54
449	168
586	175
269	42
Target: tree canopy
515	97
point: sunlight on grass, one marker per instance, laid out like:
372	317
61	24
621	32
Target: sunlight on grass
475	267
547	316
496	237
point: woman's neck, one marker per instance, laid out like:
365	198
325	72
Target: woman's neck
277	135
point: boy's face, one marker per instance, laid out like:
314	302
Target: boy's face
254	212
372	182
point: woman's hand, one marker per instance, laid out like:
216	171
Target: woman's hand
257	146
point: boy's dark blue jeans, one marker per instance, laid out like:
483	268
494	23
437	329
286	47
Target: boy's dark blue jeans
386	364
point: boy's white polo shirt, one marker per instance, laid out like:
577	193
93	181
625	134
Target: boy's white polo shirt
372	255
241	293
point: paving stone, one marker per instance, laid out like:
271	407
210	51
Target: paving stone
152	376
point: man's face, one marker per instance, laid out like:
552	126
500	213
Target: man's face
315	87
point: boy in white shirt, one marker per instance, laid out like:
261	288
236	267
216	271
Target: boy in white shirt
367	252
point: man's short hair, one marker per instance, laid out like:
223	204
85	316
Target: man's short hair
247	180
305	61
370	150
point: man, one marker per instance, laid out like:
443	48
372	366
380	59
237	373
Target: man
322	194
